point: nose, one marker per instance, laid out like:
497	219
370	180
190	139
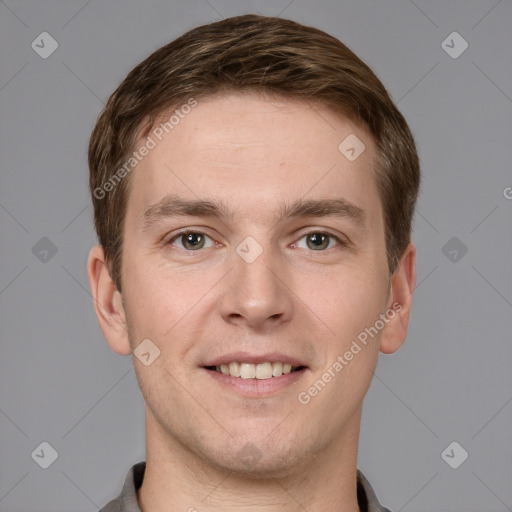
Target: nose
258	294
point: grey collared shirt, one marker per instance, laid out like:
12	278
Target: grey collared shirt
127	500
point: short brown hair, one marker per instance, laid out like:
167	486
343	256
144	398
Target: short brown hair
254	54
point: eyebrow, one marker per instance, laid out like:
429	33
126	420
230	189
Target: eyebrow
172	206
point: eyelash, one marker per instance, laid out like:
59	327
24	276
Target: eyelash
340	242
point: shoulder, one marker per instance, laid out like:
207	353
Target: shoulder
368	502
127	500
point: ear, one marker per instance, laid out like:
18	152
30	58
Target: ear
398	309
107	302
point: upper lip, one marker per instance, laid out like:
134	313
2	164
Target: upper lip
246	357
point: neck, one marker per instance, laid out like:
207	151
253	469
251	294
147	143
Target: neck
178	479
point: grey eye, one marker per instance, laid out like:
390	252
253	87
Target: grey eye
190	240
318	241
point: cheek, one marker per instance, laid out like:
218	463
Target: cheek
350	348
351	301
163	305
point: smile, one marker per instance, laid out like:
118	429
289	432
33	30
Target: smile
260	371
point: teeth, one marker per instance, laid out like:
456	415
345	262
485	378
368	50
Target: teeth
261	371
247	371
234	369
264	371
277	370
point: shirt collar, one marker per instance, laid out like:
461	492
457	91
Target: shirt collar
127	500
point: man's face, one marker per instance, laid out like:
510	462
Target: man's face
256	286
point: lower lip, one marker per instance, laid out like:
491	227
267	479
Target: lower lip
256	387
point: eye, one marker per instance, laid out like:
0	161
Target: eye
318	241
190	240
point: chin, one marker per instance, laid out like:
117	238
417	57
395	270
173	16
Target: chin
261	458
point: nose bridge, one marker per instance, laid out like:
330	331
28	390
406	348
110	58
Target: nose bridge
256	292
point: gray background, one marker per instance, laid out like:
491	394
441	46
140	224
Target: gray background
451	381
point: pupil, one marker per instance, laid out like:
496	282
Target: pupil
318	239
193	239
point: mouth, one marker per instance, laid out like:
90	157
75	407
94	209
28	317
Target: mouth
255	380
255	375
258	371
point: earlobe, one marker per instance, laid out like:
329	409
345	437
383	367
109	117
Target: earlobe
399	304
107	302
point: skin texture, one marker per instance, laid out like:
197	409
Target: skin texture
253	154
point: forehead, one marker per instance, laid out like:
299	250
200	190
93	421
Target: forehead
255	152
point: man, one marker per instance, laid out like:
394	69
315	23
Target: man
253	188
